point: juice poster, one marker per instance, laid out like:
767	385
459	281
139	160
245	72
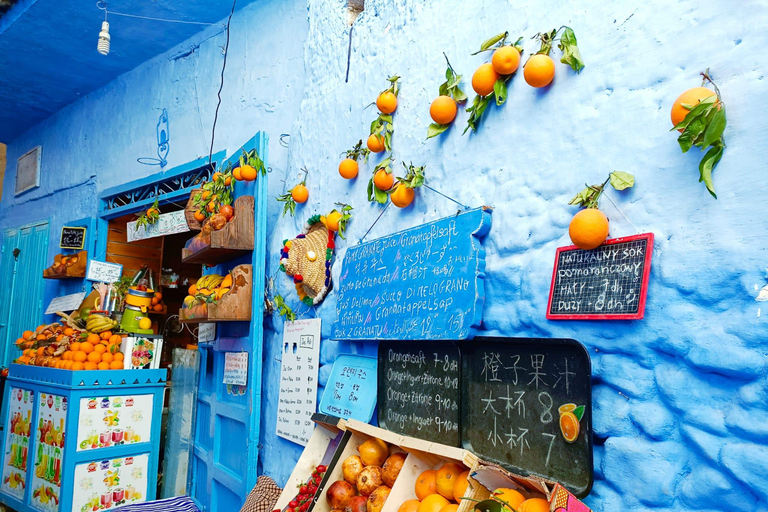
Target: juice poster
108	484
49	440
17	442
114	420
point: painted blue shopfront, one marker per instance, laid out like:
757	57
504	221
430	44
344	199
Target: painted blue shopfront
678	397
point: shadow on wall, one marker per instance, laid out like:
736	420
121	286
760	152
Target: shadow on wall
3	153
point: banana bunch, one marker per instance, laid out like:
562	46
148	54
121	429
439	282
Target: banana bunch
209	282
99	323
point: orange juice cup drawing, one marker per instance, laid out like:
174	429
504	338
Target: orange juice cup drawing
128	435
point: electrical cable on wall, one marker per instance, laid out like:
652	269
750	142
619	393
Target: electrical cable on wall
221	86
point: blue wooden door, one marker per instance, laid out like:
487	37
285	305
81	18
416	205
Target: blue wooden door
225	454
21	284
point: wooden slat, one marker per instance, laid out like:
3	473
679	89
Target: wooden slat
131	265
134	251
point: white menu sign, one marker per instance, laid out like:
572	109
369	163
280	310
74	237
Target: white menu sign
167	224
298	380
103	272
236	368
65	303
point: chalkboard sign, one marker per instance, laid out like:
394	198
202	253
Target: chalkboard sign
419	393
351	388
607	283
421	283
72	238
526	404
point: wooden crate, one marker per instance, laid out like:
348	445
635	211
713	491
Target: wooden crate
189	212
72	271
314	454
485	477
421	456
233	306
231	241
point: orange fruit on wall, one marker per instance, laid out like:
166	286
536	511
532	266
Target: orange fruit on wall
539	70
402	196
376	143
199	216
588	228
300	193
506	60
409	506
443	110
426	484
508	497
247	173
332	221
432	503
689	97
236	174
386	102
446	476
534	505
383	180
483	79
348	168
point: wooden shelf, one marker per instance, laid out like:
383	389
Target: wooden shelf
233	240
163	312
57	276
234	306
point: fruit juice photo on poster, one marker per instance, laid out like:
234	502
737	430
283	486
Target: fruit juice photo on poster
49	452
17	442
114	420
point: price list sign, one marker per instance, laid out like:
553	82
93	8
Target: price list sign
422	283
419	393
526	405
606	283
351	388
298	380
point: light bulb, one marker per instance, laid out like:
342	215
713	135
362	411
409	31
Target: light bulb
104	38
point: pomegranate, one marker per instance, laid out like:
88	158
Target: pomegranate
357	504
392	468
339	494
351	468
378	498
369	480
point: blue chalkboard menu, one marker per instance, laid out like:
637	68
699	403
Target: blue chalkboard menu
422	283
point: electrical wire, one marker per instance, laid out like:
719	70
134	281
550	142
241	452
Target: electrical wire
221	86
103	6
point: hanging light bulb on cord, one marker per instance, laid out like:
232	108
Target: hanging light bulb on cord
104	38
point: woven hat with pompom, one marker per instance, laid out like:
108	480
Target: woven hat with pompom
308	259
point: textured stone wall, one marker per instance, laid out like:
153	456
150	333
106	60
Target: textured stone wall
680	396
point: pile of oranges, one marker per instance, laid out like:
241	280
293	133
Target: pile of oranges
97	352
438	490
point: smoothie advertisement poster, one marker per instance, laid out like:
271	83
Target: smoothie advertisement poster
17	442
49	438
108	484
114	420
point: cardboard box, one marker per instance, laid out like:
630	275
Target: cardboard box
485	477
421	456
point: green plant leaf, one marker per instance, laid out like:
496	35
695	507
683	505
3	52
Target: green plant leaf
579	412
692	131
436	129
458	94
715	127
571	54
707	165
621	180
380	195
582	198
370	190
444	91
492	41
500	91
476	112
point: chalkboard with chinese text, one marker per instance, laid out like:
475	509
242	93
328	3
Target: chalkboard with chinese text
526	404
426	282
609	282
419	394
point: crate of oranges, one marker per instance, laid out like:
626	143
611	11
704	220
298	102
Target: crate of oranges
96	352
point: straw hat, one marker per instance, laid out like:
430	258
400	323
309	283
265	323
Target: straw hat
308	259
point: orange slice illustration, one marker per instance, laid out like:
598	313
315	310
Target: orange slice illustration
566	408
569	426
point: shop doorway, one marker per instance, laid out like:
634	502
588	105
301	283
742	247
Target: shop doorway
24	254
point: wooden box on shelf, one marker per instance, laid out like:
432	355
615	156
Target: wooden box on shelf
189	212
231	241
233	306
67	265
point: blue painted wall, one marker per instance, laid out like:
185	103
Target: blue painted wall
679	397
